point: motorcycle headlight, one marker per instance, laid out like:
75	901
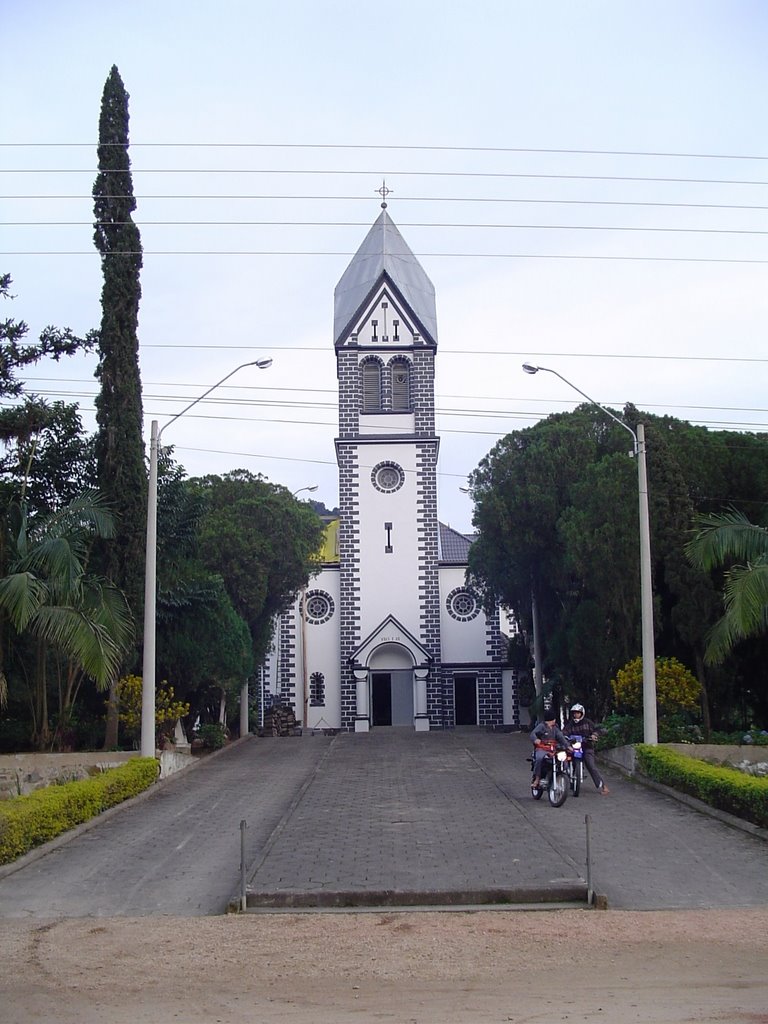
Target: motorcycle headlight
561	755
577	745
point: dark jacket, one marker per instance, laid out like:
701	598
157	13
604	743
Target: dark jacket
585	728
549	733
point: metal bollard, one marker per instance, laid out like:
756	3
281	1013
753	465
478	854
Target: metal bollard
590	890
243	827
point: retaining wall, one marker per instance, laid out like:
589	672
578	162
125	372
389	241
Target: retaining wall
23	773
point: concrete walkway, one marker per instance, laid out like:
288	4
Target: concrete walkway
387	818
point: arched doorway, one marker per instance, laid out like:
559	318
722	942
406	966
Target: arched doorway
391	680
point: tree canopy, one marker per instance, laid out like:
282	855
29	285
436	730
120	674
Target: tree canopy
262	542
556	510
119	445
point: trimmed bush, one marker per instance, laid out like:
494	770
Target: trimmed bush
727	789
29	821
213	735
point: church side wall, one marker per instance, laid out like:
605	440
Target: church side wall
322	655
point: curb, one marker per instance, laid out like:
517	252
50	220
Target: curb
418	899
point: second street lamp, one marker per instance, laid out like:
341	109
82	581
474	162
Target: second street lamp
150	569
650	725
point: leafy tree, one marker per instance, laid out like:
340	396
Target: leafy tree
16	353
48	458
58	616
556	513
203	646
262	542
119	446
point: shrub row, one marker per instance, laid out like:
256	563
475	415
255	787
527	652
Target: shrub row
28	821
727	789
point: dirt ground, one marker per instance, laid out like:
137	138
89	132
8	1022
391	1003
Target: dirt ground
416	968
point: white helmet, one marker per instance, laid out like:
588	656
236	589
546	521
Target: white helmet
577	709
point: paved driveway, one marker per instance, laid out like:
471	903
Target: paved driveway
441	813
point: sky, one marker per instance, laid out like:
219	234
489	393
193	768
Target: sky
585	183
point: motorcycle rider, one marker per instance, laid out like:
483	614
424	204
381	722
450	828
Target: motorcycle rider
546	738
579	725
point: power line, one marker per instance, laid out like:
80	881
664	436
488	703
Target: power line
413	199
357	224
381	146
420	255
317	403
319	171
524	353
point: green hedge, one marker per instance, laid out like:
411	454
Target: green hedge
28	821
728	789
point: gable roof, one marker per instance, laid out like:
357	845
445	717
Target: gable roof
454	546
388	632
384	254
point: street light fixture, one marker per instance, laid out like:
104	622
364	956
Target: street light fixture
150	570
312	488
650	726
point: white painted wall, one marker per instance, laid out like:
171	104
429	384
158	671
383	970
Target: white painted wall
462	641
392	584
323	655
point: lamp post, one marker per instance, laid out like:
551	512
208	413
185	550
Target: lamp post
650	727
150	570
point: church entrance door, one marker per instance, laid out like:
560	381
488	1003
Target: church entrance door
465	700
392	698
381	698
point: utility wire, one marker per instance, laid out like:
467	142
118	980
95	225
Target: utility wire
318	171
357	224
420	255
415	199
334	391
381	146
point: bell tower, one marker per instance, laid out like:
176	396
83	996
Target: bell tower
385	337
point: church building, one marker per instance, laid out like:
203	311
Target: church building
387	633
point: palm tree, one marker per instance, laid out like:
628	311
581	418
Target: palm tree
729	541
48	597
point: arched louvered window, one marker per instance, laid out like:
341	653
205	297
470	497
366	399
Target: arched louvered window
371	381
317	690
401	386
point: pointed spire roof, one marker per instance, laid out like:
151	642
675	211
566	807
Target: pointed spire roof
384	254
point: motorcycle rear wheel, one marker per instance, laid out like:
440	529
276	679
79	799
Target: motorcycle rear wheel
558	790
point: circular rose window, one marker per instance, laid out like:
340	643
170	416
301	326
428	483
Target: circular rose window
462	604
387	477
318	607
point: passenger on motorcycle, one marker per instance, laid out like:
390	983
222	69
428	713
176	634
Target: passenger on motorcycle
546	738
579	725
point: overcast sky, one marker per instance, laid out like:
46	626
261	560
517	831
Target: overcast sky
586	184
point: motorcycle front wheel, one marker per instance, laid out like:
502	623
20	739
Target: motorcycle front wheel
558	790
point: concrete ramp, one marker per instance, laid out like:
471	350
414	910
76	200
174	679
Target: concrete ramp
397	818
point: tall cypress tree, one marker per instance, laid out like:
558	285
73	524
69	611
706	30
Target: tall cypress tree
119	446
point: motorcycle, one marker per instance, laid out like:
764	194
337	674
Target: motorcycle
554	778
576	764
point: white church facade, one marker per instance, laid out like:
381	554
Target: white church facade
387	632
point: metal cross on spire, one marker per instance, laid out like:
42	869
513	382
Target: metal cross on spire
383	192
